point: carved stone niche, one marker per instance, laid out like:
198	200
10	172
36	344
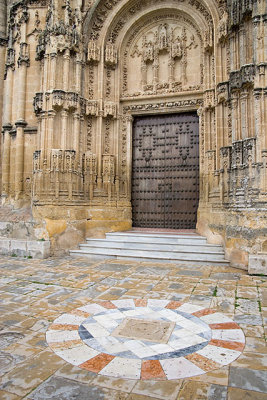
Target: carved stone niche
226	153
247	74
110	109
235	80
93	52
92	107
237	154
223	27
111	55
24	55
249	151
38	103
58	99
244	76
209	99
10	58
222	92
208	40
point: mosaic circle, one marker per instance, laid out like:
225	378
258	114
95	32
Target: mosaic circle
146	339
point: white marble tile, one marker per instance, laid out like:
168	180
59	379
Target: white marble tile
157	303
78	355
123	303
171	316
112	345
179	368
191	326
218	354
216	318
69	319
190	308
140	349
182	343
161	348
96	330
183	333
93	308
235	335
117	315
123	368
61	336
132	313
105	321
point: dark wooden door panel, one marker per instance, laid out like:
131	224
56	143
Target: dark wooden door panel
165	171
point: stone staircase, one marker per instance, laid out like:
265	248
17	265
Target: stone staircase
158	247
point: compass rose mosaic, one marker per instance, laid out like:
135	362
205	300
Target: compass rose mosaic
146	339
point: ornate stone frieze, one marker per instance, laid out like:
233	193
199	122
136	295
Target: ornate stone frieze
163	105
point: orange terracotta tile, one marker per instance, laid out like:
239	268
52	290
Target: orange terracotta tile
80	313
203	362
152	369
64	327
140	302
97	363
201	313
228	344
225	325
106	304
68	344
172	305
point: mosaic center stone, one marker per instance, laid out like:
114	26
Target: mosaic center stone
146	339
151	330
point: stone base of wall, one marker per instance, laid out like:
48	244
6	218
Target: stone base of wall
24	248
257	264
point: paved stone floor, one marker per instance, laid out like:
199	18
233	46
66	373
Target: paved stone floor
38	297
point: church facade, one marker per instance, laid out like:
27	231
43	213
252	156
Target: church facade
141	113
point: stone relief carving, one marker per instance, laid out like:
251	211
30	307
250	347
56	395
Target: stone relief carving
159	59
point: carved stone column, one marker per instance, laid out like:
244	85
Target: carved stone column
6	160
53	66
19	160
76	134
66	69
64	130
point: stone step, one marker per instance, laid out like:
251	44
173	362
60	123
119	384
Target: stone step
99	257
169	255
140	245
157	238
157	247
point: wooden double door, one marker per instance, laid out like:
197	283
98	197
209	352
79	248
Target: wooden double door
165	171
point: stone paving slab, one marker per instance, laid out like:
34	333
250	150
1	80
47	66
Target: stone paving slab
34	293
